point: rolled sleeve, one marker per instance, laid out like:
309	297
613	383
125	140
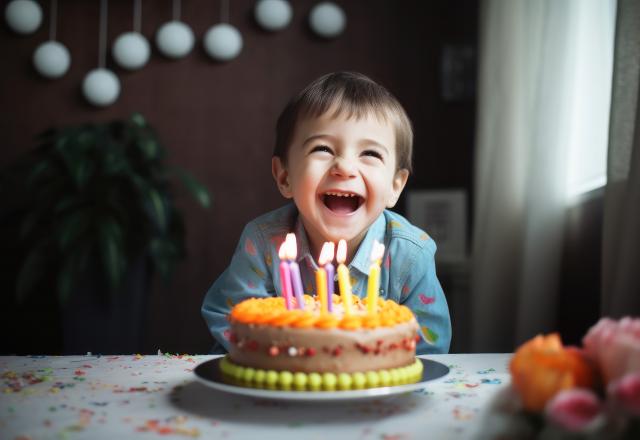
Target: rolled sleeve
248	276
427	301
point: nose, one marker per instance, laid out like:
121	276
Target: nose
343	167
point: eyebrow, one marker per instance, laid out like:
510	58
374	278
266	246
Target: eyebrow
316	136
374	143
365	141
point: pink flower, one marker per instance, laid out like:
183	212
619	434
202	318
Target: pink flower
614	346
624	393
575	410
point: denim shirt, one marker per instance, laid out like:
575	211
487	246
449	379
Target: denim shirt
408	274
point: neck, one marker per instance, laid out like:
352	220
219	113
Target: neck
316	241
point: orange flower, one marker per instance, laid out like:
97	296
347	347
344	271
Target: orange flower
542	366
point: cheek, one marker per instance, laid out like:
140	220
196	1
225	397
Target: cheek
306	186
379	187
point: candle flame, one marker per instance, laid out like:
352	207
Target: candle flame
292	246
377	251
342	251
326	254
282	252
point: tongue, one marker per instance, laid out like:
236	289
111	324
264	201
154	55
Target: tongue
341	205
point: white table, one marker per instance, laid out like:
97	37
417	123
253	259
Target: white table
150	397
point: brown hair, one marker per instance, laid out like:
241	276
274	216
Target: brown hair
355	94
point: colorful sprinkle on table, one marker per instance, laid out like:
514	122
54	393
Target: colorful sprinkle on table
147	396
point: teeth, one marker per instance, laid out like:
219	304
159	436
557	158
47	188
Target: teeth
341	194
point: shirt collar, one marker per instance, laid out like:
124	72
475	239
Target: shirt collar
361	261
303	244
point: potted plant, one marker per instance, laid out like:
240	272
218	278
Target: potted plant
97	217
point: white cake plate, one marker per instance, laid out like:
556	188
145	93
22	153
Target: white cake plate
210	375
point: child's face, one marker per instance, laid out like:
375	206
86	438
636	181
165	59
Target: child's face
341	174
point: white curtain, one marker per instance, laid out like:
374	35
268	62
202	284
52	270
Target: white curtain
621	238
527	71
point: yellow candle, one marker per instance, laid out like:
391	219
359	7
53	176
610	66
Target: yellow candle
343	277
373	286
372	289
321	286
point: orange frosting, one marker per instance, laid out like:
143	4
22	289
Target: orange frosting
272	311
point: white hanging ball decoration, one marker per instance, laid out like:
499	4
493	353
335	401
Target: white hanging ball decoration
327	19
223	42
273	15
23	16
51	59
174	39
131	50
101	87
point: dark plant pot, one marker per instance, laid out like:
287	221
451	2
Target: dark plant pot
97	322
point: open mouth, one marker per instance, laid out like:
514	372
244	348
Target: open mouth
342	203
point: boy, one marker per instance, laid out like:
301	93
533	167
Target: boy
343	154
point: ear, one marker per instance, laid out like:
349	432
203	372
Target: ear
398	183
281	176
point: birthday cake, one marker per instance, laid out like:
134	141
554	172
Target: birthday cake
310	349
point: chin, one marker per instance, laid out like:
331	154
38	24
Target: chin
336	235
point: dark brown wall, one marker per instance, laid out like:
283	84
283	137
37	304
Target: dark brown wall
217	120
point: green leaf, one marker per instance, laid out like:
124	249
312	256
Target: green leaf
115	162
163	254
113	257
198	191
138	120
158	209
154	203
79	164
71	227
66	203
149	148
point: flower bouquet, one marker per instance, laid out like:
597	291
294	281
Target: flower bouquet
592	392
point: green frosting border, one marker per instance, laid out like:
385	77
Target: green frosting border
289	381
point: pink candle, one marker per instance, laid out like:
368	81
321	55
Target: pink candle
330	284
285	276
296	280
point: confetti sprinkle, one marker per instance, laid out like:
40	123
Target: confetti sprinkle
491	381
464	413
394	436
171	427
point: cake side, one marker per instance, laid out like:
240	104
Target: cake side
332	350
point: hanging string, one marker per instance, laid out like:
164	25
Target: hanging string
102	49
137	15
176	10
52	19
224	11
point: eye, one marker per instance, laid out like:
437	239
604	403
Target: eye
373	153
321	149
